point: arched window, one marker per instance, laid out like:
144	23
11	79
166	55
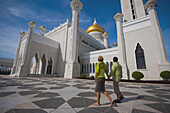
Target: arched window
82	68
90	68
140	57
93	68
133	9
49	66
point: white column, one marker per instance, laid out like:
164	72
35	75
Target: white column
40	66
46	64
105	35
26	60
1	69
16	56
157	32
121	44
72	66
52	68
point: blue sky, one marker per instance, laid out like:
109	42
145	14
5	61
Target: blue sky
15	14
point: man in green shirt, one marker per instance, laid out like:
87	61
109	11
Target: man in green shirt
116	73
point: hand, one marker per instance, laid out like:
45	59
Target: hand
108	79
95	79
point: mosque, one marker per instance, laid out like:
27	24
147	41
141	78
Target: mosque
69	51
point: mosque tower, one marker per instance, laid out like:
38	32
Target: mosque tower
72	66
142	38
98	32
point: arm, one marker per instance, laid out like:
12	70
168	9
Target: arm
107	75
97	72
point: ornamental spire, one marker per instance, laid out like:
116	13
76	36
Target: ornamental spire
95	22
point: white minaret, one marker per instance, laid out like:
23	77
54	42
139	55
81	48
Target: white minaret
132	9
25	65
105	35
162	55
121	44
72	66
22	33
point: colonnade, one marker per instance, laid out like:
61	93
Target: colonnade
41	66
4	69
91	67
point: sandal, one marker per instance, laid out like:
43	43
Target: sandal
122	97
117	101
96	104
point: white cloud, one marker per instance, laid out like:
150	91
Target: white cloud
84	18
15	12
9	40
42	15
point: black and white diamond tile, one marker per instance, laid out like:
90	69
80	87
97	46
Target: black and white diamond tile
58	95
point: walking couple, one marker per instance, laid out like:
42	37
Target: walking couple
116	74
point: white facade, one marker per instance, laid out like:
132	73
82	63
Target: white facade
69	51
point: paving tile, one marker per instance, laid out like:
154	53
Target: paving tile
151	98
3	94
28	92
140	111
78	102
160	107
65	106
26	111
29	105
98	110
64	111
87	94
50	103
48	110
59	87
11	102
40	88
47	94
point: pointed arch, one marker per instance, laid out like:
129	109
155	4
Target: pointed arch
43	61
49	66
34	64
140	57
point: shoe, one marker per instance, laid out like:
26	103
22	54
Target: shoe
122	97
96	104
117	101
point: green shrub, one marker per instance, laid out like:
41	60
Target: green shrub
165	75
82	76
137	75
91	77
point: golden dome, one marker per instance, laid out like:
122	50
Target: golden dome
95	28
22	33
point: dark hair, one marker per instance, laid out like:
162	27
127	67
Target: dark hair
100	58
115	59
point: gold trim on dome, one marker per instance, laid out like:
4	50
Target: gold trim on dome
42	26
95	28
106	33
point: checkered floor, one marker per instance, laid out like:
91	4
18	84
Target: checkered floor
59	95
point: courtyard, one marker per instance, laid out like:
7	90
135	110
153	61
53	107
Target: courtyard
59	95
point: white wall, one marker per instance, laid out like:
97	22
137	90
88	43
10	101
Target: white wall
143	36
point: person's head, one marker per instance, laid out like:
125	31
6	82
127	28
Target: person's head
115	59
100	59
